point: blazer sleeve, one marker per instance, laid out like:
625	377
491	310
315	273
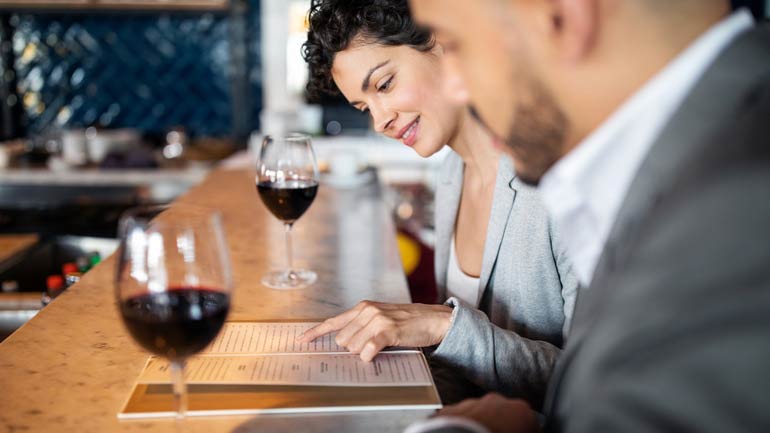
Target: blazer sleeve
494	358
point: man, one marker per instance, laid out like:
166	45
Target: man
645	122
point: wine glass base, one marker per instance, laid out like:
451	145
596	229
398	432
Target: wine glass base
287	280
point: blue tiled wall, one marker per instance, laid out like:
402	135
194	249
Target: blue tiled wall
151	71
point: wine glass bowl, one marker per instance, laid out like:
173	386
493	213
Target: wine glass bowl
288	200
287	183
173	283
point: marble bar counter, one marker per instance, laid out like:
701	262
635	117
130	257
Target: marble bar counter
73	365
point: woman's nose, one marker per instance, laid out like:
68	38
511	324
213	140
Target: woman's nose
382	119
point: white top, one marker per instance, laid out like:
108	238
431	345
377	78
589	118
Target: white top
458	283
583	192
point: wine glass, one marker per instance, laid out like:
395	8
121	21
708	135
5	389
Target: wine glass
173	283
287	181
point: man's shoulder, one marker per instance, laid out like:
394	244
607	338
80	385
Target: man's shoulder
709	168
709	226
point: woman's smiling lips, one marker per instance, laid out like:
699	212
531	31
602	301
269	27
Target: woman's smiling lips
408	134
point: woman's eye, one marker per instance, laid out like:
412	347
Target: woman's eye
385	85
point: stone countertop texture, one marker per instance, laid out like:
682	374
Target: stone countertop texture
73	365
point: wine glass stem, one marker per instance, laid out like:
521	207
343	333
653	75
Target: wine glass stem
180	389
290	265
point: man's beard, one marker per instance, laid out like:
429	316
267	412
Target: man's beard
538	132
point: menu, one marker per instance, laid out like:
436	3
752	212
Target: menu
257	367
269	337
389	369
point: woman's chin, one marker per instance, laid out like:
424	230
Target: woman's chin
426	150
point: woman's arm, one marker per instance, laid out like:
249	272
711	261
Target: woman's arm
494	358
491	357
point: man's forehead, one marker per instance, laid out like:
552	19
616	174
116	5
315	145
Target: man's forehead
445	15
433	12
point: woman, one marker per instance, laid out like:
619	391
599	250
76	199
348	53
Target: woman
508	289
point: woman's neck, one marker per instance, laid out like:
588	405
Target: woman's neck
474	145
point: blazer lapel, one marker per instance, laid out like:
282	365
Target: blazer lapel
447	202
502	203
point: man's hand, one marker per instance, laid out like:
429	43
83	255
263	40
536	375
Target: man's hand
369	327
497	413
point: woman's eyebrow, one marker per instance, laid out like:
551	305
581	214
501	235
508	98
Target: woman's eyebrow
365	83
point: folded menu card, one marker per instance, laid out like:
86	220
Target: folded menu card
258	367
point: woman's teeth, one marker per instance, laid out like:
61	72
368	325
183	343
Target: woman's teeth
411	129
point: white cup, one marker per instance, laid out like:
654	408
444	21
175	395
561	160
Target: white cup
74	151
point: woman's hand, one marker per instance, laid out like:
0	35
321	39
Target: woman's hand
369	327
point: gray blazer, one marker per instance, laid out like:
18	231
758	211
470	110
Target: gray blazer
674	333
526	289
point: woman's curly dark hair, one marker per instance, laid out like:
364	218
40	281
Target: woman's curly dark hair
334	24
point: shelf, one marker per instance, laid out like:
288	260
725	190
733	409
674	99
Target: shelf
191	5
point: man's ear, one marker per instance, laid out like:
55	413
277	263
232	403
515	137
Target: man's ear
453	85
455	90
574	26
437	49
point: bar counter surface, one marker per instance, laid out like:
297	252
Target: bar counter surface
73	365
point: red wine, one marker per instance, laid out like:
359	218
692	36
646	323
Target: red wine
176	323
288	200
